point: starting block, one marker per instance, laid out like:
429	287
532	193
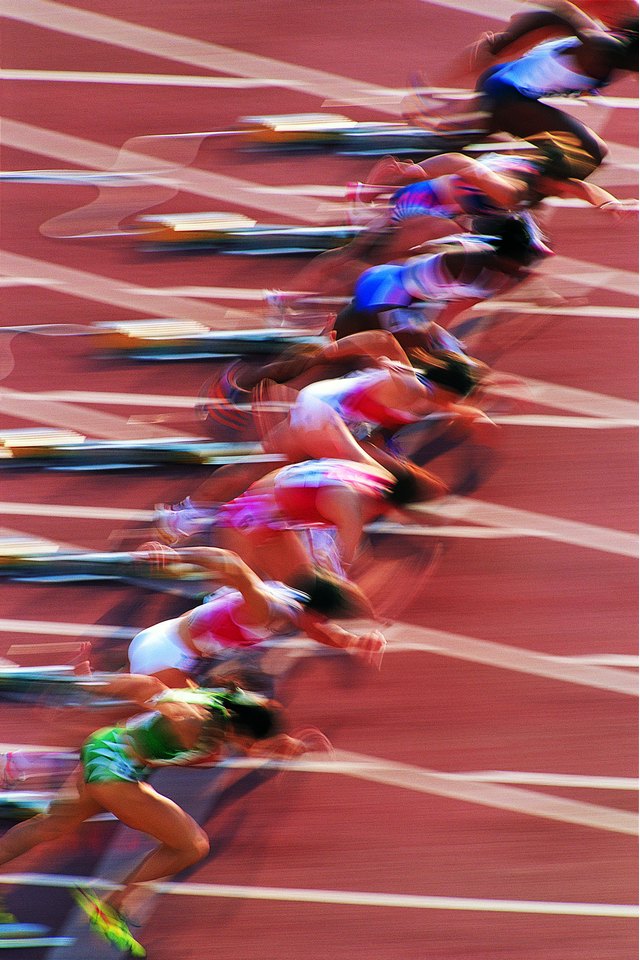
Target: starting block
338	134
59	566
173	339
30	449
57	685
22	805
229	233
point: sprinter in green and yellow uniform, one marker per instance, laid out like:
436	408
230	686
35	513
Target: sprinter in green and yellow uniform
181	727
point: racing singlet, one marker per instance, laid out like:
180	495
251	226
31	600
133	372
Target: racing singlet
549	68
426	278
365	479
353	398
450	196
153	741
216	622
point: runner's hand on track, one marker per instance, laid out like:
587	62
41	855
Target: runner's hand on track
621	209
314	740
157	555
370	647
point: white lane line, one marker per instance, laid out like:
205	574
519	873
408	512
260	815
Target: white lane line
188	403
137	156
571	399
508	521
322	765
139	79
405	637
225	83
494	795
117	293
402	638
488	790
499	10
79	512
54	628
591	275
115	399
91	423
339	897
539	524
515	306
567	423
233	83
182	49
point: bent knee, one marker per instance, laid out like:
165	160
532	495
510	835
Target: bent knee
198	846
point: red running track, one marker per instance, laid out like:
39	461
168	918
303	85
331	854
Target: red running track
515	656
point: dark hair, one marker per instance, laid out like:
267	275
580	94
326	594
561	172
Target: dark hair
326	595
252	716
454	371
406	489
511	236
628	33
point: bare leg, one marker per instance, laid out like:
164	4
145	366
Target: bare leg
138	805
63	817
277	556
524	117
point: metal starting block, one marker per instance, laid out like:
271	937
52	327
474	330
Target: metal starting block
228	233
22	805
333	132
54	684
185	340
21	564
19	450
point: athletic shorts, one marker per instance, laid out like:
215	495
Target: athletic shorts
416	200
381	287
160	648
298	504
106	759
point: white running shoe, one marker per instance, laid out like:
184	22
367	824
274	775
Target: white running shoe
175	522
10	771
278	307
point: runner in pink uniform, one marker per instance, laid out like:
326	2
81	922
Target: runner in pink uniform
262	524
246	613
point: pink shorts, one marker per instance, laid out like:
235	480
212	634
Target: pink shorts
298	505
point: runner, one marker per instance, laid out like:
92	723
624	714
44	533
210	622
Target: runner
406	204
406	298
183	727
262	525
244	614
584	60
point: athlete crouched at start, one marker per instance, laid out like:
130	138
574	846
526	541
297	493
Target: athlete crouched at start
241	617
179	728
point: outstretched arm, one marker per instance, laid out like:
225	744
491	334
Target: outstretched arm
232	571
558	14
369	646
593	194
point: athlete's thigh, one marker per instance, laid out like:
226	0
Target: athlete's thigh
524	116
139	806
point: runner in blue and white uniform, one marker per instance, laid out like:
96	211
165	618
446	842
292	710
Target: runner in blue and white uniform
582	61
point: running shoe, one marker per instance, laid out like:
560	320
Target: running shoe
175	522
6	917
10	775
278	307
107	922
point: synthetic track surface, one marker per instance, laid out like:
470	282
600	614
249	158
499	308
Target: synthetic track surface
491	763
